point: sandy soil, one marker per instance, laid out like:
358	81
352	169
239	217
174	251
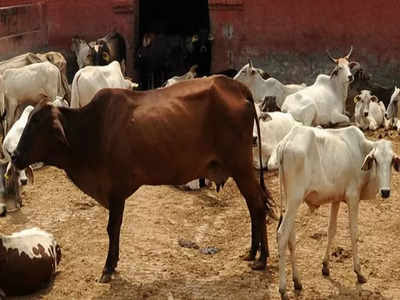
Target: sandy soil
154	266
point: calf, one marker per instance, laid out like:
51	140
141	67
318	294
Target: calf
29	259
125	139
273	128
320	166
369	111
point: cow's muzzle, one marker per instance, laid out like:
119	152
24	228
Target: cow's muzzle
254	141
385	193
366	114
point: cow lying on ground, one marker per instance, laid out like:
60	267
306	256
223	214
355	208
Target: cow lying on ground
89	80
125	139
29	260
323	103
261	88
369	112
28	84
391	113
320	166
273	128
188	75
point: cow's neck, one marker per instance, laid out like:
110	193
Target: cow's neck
342	90
80	159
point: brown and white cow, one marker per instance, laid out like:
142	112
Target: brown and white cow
125	139
28	260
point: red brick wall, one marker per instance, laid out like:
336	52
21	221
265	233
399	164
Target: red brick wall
305	26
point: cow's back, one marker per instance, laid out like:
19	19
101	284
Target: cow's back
161	132
323	163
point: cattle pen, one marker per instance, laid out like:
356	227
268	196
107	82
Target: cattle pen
178	243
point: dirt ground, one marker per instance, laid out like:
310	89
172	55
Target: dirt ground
154	266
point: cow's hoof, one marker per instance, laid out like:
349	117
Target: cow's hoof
105	278
258	265
284	296
297	285
361	279
325	269
248	257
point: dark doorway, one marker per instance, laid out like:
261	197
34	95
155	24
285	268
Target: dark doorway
170	33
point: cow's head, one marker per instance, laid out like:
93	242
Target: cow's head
103	55
342	70
391	111
43	138
85	52
383	157
202	41
253	79
363	101
9	187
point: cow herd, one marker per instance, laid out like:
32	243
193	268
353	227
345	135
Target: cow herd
212	127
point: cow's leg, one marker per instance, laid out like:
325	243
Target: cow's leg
308	115
338	118
283	236
353	204
116	211
331	234
256	203
292	248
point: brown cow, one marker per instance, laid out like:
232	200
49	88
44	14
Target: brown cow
28	260
125	139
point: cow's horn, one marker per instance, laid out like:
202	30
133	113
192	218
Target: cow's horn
330	57
250	63
348	55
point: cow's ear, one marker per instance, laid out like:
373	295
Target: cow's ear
106	56
356	99
29	174
374	99
396	163
353	64
368	161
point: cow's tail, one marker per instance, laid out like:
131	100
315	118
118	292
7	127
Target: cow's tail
60	88
75	92
277	157
268	202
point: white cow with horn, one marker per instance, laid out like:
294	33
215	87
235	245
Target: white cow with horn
323	103
320	166
262	88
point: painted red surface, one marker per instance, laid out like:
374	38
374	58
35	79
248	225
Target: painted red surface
304	26
242	28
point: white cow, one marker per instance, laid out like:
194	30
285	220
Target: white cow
85	52
188	75
273	128
89	80
28	84
392	110
261	88
10	144
369	112
13	136
323	103
320	166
